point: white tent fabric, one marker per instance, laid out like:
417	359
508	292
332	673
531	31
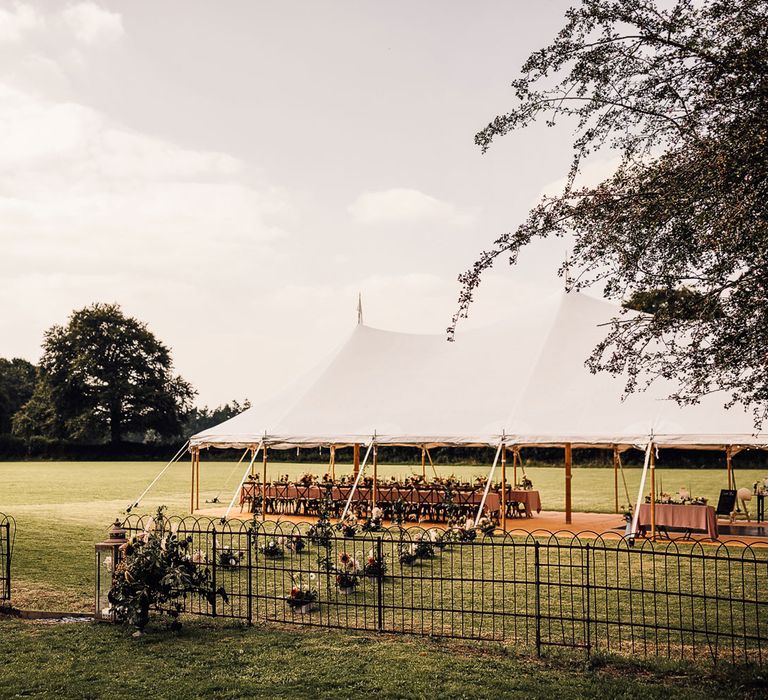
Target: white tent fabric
522	381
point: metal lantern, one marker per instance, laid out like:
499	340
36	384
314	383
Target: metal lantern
108	554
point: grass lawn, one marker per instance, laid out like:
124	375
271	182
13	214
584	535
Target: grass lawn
62	509
223	661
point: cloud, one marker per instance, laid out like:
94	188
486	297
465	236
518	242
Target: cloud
405	206
15	24
592	174
92	24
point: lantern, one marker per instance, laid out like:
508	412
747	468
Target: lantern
108	554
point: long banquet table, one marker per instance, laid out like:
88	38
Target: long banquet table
297	498
677	515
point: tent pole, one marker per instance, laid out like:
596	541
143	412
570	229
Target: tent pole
515	458
356	458
616	478
264	484
729	467
624	479
504	488
653	495
488	483
197	481
242	481
423	462
192	490
333	463
374	490
568	461
357	481
636	516
431	463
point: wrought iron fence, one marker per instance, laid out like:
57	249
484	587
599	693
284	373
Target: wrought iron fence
674	599
7	537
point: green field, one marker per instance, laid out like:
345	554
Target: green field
62	509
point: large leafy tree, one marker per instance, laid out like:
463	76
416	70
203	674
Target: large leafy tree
107	375
17	382
679	92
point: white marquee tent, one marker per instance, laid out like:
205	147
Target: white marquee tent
522	382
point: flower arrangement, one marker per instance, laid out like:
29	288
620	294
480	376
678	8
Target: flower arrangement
406	553
272	548
461	530
487	524
375	567
157	571
424	548
295	544
373	523
346	573
626	513
227	558
437	538
303	593
525	483
348	526
665	498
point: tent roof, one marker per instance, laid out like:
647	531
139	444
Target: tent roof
523	381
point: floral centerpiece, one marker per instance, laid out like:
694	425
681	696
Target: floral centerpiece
375	567
272	548
373	523
347	572
424	548
303	593
461	530
525	484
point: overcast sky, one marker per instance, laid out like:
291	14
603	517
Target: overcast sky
233	173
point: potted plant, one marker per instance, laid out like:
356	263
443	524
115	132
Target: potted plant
295	544
406	553
486	525
227	558
348	526
375	568
347	573
271	548
303	593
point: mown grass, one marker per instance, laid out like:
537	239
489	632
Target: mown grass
208	659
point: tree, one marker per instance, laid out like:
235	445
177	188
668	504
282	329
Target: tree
680	93
107	375
17	382
198	419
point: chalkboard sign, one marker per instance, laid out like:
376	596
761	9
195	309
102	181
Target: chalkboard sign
727	503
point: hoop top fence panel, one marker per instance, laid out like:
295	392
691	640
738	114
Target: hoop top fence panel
589	591
7	537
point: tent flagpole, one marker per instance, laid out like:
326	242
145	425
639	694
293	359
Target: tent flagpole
357	481
488	483
636	516
242	481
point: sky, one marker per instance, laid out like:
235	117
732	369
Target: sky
234	173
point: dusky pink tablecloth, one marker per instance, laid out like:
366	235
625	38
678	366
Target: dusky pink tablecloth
530	499
676	515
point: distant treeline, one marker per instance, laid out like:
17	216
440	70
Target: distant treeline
40	448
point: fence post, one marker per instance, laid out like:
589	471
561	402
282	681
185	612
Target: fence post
588	608
249	542
379	591
7	560
213	571
537	598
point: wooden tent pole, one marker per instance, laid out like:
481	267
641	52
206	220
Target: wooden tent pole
333	462
356	458
374	490
504	487
729	467
431	463
515	458
423	462
616	478
652	466
568	460
264	484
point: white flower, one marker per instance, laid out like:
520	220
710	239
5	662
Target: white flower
312	577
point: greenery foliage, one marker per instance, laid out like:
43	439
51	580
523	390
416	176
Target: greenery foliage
678	92
156	572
